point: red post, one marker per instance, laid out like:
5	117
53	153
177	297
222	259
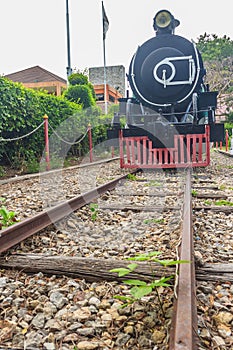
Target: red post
121	149
220	145
112	149
46	135
227	136
207	131
90	142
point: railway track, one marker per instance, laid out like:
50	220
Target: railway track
152	200
29	194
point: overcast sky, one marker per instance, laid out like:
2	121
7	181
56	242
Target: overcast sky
33	32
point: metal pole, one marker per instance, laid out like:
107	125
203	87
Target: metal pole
227	138
68	68
90	142
231	149
46	134
105	82
105	29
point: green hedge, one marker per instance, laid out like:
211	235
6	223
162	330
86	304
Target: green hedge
229	127
22	110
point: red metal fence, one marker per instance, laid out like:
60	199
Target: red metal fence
191	150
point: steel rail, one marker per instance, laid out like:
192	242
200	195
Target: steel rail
22	230
54	171
183	334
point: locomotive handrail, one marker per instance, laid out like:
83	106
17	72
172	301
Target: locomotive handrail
167	60
197	76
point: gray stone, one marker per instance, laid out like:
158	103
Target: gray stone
218	341
49	309
82	314
7	301
33	339
49	346
18	301
38	321
122	339
85	331
53	325
144	342
3	282
74	326
94	301
58	299
87	345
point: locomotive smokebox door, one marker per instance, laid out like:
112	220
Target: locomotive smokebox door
166	71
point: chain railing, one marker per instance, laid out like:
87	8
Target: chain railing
23	136
47	125
68	142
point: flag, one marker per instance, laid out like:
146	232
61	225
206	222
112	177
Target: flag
105	22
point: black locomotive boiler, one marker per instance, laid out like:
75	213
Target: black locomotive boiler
170	119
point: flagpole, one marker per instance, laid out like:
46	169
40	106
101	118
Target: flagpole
105	29
68	68
105	82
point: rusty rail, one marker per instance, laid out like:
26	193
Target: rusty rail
183	334
22	230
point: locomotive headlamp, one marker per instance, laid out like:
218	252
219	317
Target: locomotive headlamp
163	19
164	22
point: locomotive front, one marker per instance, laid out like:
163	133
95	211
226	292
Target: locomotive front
167	69
170	103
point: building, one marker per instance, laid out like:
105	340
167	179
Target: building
39	78
115	77
112	95
115	83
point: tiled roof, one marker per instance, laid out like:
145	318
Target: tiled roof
34	75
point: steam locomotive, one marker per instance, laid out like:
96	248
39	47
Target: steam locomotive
170	119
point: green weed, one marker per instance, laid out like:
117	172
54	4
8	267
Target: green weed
94	211
133	177
2	171
153	221
224	202
141	288
7	218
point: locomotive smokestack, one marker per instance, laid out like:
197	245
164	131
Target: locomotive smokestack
165	23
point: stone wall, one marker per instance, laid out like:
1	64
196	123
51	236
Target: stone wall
115	77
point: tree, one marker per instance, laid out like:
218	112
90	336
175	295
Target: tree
78	79
214	48
80	90
217	54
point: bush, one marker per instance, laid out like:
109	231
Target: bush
21	111
81	94
78	79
